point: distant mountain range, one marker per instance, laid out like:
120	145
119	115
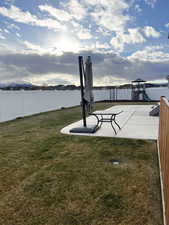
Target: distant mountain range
2	85
29	86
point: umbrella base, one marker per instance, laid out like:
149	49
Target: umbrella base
89	129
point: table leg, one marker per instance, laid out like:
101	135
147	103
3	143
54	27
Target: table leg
98	121
116	123
112	119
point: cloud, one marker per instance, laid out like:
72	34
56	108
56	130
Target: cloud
54	79
17	15
18	35
6	31
80	31
106	66
84	34
104	32
107	15
151	32
103	46
7	76
9	2
151	3
138	8
110	14
12	26
39	64
76	9
2	36
151	54
133	36
59	14
33	48
6	48
3	33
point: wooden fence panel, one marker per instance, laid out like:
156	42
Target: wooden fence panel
164	152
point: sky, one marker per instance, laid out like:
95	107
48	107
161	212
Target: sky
40	40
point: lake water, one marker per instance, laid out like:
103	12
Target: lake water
14	104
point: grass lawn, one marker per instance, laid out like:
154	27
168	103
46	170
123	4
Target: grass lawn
47	178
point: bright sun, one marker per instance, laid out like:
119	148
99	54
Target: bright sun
65	43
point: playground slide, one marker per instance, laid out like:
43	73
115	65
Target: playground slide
146	97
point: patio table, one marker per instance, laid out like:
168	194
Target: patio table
103	117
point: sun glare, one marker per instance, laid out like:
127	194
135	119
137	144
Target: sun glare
65	43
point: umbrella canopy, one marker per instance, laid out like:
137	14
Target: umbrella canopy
88	89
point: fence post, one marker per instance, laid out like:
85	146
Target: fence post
164	153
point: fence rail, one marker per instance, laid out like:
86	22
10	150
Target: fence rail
164	153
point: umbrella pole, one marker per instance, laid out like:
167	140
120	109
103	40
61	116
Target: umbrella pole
90	128
82	90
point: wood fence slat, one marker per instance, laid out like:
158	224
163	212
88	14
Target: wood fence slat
164	151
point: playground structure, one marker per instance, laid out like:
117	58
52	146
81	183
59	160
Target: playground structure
138	92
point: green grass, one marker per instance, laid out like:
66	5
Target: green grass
47	178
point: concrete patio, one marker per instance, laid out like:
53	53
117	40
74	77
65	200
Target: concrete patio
134	121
